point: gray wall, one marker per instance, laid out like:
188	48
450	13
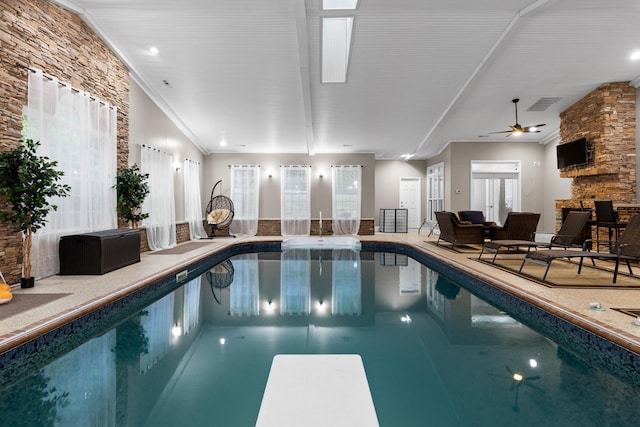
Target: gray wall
217	168
148	125
457	158
387	182
555	188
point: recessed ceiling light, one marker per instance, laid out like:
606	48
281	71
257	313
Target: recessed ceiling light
223	142
635	55
154	50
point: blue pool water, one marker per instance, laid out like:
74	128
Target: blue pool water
198	353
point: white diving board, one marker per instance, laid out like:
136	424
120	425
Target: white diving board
308	390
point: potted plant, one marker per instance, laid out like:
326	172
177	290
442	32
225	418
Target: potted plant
132	188
27	182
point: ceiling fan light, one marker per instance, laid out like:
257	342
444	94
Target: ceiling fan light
533	129
517	132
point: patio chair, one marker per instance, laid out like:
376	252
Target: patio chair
477	217
457	233
627	248
517	226
607	217
566	236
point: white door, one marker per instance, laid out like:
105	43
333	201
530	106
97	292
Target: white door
410	200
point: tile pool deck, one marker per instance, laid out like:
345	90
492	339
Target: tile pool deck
82	294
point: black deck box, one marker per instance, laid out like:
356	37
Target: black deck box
99	252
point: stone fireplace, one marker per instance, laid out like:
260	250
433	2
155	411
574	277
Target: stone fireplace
606	117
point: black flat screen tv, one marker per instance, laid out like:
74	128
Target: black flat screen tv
573	153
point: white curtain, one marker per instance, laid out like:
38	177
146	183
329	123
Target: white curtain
346	282
346	193
295	200
80	133
193	200
160	203
244	293
157	328
191	306
88	376
295	281
245	191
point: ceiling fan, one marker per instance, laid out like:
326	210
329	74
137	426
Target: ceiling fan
517	129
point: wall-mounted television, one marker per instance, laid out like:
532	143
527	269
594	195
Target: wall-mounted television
573	153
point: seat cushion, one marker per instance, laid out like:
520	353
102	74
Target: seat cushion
474	217
218	216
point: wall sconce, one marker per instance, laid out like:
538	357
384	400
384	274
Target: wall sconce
177	165
321	174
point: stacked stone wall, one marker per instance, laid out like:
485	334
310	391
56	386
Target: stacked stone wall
39	34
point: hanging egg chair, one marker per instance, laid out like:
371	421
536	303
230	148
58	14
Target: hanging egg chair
220	277
219	211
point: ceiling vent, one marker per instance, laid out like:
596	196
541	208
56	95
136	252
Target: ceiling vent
543	103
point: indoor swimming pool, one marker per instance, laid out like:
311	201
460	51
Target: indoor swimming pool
436	350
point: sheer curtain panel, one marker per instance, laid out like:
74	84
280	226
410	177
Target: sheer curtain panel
157	326
346	282
295	200
347	193
193	200
244	296
80	133
160	203
295	282
245	191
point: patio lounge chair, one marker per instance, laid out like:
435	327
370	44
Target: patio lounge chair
457	233
567	234
627	248
517	226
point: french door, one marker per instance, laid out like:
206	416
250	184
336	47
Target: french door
495	188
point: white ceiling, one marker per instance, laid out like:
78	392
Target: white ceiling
422	72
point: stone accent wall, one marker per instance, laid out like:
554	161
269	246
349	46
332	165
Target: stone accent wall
271	227
182	232
606	117
39	34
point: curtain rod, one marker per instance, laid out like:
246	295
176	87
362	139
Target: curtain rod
244	166
73	89
295	166
347	166
192	161
156	149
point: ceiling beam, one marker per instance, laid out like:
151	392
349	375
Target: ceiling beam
305	80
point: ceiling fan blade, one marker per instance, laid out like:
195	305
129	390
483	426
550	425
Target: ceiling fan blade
532	128
503	131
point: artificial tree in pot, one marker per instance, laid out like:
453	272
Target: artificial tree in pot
28	181
132	189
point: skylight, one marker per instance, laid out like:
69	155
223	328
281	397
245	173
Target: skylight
336	43
339	4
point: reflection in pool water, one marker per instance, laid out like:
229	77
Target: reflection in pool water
434	353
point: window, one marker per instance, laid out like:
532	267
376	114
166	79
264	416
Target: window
347	191
295	201
435	190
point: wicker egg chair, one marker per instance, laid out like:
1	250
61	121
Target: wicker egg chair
219	211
